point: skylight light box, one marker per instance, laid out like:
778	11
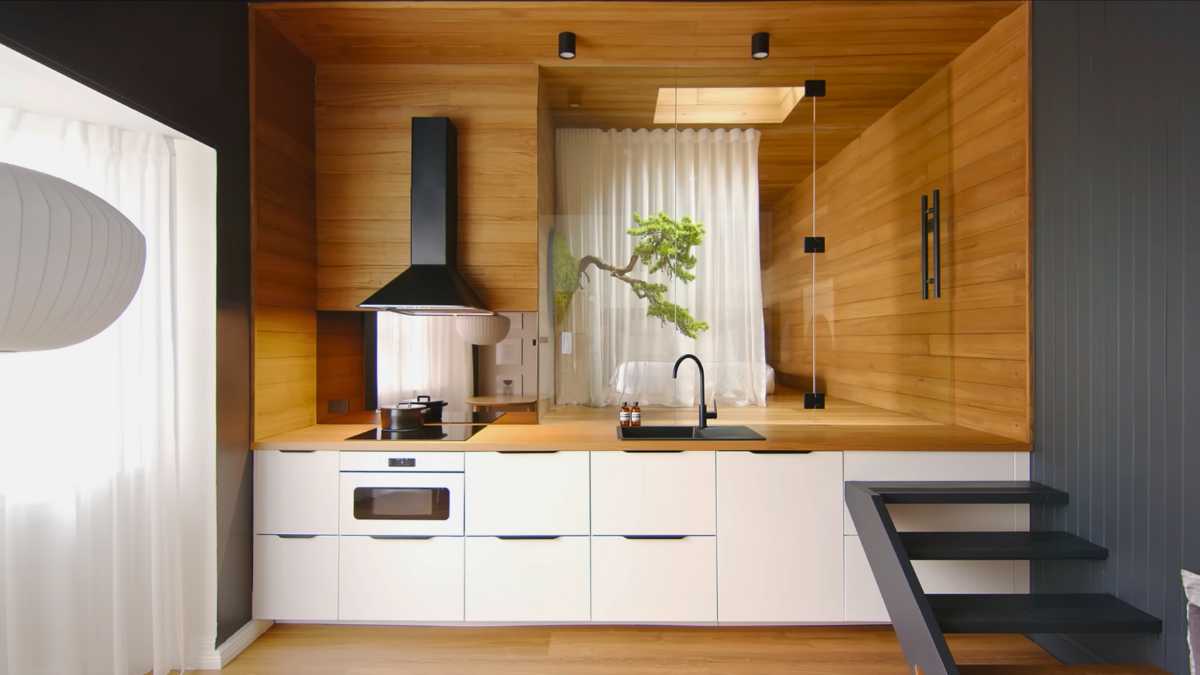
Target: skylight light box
726	105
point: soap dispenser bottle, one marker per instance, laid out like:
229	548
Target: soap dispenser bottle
625	414
635	415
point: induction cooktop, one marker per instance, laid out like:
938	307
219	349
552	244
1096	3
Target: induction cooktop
429	432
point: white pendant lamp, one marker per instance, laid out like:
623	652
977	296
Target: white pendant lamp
482	329
69	261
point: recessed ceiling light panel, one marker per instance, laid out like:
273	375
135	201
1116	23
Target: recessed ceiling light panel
726	105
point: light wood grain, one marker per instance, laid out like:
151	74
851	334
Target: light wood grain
363	123
297	649
872	54
962	360
284	234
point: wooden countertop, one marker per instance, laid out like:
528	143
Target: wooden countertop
843	425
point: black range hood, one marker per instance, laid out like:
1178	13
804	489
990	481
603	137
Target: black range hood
432	285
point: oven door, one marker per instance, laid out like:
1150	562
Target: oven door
402	504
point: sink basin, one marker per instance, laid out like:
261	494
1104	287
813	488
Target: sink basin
673	433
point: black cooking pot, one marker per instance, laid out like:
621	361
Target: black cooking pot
402	417
433	409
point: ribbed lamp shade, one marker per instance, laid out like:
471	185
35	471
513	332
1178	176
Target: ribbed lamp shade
482	330
69	262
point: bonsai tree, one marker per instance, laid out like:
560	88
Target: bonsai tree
661	244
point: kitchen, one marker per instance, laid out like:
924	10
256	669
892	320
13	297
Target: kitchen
570	336
542	502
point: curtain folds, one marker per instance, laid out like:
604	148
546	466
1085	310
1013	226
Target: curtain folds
423	355
616	352
91	579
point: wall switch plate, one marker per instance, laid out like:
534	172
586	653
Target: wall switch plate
568	342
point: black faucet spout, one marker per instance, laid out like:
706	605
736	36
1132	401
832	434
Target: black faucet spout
705	415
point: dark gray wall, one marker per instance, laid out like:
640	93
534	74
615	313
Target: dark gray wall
1116	157
185	64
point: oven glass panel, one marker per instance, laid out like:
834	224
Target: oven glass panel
409	503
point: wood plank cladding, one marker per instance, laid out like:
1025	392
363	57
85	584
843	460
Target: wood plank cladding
284	234
339	363
963	359
363	124
824	32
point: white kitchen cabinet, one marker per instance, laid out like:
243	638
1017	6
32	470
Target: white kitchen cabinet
947	466
527	493
537	580
385	579
295	492
654	580
295	578
657	493
779	537
865	604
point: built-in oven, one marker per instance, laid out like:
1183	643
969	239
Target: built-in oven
411	494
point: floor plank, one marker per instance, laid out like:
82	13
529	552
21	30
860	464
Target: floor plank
297	649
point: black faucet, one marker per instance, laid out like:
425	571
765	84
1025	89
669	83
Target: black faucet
705	415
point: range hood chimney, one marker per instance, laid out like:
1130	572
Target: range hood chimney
432	285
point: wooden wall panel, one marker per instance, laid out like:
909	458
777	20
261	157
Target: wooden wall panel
284	234
963	359
339	363
363	122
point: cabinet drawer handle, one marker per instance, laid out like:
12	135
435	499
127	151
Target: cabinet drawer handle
527	452
781	452
653	452
298	451
639	537
296	536
528	537
400	537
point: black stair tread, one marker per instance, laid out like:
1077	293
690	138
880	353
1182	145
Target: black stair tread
1040	613
964	492
1000	546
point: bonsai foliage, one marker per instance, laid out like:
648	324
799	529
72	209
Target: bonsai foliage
661	244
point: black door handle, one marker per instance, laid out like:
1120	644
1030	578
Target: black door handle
937	243
924	247
931	224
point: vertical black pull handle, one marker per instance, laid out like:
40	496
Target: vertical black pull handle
937	243
924	247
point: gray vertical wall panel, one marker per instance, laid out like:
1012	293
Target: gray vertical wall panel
1116	155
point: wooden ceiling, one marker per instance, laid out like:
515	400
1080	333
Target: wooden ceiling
872	54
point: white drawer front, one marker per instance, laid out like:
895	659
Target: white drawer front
779	537
295	579
653	493
539	580
401	579
864	603
402	461
452	525
931	466
654	580
527	493
295	492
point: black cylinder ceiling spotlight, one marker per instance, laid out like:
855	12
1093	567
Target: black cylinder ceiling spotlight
760	46
566	45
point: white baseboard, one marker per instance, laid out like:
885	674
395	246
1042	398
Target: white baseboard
245	636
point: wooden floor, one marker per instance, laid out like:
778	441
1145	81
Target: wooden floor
594	650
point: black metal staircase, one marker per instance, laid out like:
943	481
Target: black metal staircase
921	620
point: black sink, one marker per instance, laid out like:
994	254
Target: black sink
673	433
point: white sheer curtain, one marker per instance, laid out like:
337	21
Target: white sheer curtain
618	353
423	355
91	573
